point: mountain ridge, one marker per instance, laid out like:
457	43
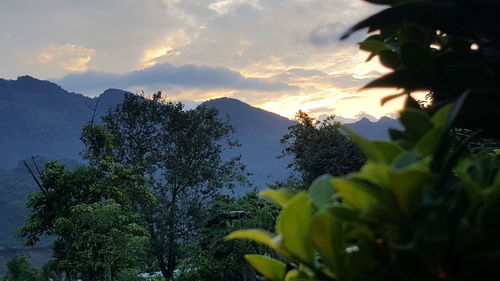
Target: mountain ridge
41	118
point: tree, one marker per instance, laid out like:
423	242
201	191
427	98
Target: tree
19	269
101	240
93	213
180	151
425	212
319	147
424	206
213	259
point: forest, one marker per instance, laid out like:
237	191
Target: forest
154	200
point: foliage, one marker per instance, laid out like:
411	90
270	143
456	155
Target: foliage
416	211
444	47
99	238
422	207
319	147
19	269
92	213
213	259
180	151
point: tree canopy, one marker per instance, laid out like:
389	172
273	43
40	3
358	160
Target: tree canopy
320	147
180	151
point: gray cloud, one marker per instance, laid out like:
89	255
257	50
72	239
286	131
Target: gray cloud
166	75
306	72
326	34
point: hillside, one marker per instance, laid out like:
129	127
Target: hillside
40	118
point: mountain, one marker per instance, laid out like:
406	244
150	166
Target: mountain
40	118
259	133
374	130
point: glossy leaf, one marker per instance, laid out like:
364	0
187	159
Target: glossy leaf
293	225
278	196
321	191
354	194
256	235
269	267
326	235
373	46
416	123
377	151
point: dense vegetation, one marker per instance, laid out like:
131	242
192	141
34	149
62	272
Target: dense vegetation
424	205
319	147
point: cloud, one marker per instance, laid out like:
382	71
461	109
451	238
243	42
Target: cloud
326	34
306	72
282	54
170	76
68	57
349	81
225	6
321	109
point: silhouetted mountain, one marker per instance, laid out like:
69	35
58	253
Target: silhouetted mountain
374	130
259	133
40	118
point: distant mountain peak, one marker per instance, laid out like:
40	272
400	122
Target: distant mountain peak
364	120
113	91
225	101
29	83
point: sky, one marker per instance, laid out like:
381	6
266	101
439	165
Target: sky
279	55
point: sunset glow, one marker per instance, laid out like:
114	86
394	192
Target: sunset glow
282	56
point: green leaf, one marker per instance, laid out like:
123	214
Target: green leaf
271	268
375	150
296	275
326	235
373	46
256	235
346	214
428	144
406	159
278	196
406	186
353	194
293	225
374	172
442	115
321	191
416	123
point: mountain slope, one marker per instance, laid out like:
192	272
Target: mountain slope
40	118
259	133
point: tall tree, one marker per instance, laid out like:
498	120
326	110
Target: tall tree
180	150
319	147
93	214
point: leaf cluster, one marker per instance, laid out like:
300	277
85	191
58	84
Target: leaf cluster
93	214
442	47
319	147
417	210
